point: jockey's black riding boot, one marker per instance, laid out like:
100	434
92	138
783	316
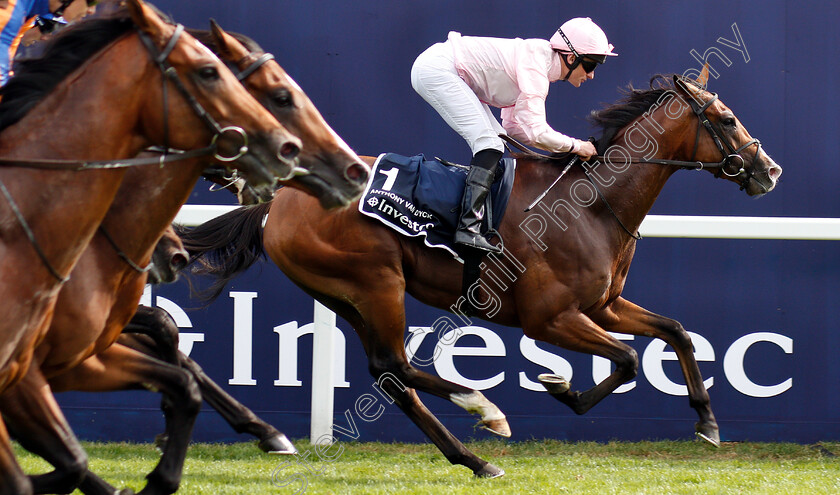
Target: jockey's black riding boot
479	179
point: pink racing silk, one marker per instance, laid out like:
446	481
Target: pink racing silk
514	75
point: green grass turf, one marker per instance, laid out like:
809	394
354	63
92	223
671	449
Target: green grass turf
531	467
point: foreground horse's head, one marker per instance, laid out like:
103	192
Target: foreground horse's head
241	128
726	139
336	174
678	123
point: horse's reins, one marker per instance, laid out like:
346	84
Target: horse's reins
240	76
169	73
703	122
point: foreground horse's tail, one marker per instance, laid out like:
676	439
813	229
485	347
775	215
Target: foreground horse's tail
225	246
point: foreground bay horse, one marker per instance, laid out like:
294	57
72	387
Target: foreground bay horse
559	278
125	83
79	352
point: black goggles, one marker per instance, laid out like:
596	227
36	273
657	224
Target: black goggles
591	62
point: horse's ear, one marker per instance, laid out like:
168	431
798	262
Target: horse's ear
227	45
145	19
703	80
218	35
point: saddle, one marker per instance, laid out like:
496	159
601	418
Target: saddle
419	197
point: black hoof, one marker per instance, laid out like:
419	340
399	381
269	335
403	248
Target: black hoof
489	471
278	444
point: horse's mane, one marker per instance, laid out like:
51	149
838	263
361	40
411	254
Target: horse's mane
69	49
614	117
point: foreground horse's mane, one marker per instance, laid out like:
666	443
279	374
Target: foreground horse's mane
612	118
35	78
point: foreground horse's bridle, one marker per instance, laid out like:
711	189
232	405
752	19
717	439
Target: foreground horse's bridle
241	76
169	73
727	166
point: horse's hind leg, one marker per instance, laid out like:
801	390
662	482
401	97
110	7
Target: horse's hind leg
574	331
12	479
381	334
121	368
454	451
158	326
623	316
34	418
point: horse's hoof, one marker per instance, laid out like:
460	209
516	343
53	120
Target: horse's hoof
278	444
709	433
497	426
555	384
489	471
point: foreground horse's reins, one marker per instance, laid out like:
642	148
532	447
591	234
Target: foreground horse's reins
241	76
725	166
169	73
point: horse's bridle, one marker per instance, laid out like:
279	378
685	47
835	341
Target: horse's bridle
169	73
242	75
727	165
724	167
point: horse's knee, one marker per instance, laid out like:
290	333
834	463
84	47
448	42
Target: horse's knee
676	335
628	363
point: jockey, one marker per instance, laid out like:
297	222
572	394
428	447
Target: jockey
465	74
16	18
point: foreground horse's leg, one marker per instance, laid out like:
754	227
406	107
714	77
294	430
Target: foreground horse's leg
35	420
162	343
121	368
623	316
574	331
382	336
12	479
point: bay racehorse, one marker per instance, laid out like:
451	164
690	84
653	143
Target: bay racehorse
78	352
125	83
560	275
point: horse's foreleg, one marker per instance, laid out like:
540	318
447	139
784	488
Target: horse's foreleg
160	327
12	479
121	368
574	331
239	417
626	317
454	451
34	418
163	345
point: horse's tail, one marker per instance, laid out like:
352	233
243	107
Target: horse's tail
225	246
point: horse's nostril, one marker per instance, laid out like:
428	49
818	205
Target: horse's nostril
774	172
289	150
357	172
178	261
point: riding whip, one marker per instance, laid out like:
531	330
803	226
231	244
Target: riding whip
541	196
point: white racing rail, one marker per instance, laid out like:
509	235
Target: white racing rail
691	227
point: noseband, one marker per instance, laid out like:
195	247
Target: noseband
242	75
727	165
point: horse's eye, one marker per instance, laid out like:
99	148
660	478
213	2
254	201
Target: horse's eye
728	122
208	73
282	98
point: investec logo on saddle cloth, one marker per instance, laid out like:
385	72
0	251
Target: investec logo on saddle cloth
420	197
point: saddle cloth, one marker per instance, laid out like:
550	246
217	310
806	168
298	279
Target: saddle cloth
418	197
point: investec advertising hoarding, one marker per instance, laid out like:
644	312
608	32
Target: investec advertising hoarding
763	369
